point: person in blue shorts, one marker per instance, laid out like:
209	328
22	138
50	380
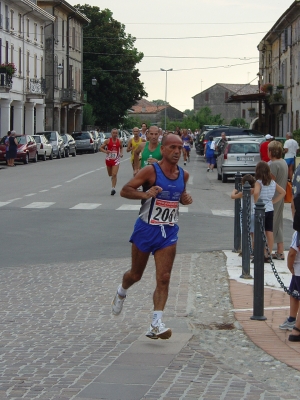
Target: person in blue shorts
156	229
210	154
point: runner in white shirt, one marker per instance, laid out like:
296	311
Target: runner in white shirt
290	149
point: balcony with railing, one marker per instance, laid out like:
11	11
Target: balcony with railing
35	88
279	96
5	82
69	95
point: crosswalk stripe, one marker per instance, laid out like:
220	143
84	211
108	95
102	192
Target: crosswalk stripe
183	209
223	213
85	206
129	207
39	204
3	203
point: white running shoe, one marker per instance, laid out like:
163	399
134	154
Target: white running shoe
159	331
117	304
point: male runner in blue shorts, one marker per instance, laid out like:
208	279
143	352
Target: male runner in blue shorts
156	229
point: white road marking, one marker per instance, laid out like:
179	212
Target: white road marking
39	204
80	176
55	187
191	180
85	206
265	308
129	207
18	198
4	203
45	190
223	213
183	209
30	194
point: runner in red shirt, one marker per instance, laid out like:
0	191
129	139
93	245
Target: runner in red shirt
113	149
264	148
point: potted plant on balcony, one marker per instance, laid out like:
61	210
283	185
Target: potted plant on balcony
280	87
252	112
267	88
8	69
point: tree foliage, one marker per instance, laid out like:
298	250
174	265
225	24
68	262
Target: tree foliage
196	120
160	102
240	122
87	116
111	58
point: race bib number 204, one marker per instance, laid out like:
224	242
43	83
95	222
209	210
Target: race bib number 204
164	212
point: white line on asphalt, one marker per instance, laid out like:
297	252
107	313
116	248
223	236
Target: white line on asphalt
55	187
39	204
3	203
18	198
90	172
223	213
45	190
191	180
85	206
80	176
183	209
129	207
30	194
265	308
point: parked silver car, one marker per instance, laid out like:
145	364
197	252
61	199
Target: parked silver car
57	142
84	142
238	156
44	147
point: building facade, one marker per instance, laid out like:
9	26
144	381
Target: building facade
154	114
216	96
22	93
279	65
63	66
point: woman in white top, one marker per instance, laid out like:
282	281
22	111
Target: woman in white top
265	188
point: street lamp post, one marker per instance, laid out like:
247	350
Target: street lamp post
166	71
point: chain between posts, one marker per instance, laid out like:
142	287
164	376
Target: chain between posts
295	293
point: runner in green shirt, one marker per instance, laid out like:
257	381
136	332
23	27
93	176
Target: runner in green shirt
150	151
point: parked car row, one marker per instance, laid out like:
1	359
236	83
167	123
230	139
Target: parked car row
50	144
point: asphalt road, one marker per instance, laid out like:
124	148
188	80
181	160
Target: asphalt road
62	210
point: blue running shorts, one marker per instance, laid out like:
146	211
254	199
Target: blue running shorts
289	161
149	238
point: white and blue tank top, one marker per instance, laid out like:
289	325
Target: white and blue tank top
164	208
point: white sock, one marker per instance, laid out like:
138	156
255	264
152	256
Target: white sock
121	291
156	316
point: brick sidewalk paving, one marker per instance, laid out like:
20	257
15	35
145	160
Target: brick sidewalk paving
58	337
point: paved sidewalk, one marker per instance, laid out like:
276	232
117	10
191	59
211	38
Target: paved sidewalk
265	334
59	341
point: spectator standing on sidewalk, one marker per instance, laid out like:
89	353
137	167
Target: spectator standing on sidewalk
279	173
263	149
209	152
293	263
13	148
290	149
222	143
7	147
265	188
156	229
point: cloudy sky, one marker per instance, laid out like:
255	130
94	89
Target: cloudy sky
204	41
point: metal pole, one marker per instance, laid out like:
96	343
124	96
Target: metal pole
259	248
246	232
166	100
166	71
237	207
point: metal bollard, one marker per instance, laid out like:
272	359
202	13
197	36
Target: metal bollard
245	232
259	247
237	207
